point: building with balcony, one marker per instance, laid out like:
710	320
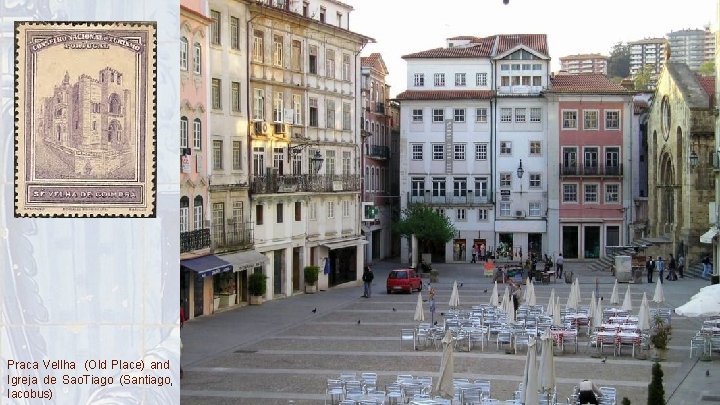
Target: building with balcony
682	161
639	217
589	161
692	47
585	63
304	141
376	123
648	52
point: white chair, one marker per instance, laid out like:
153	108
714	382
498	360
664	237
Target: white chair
407	336
607	340
571	339
334	391
504	337
522	339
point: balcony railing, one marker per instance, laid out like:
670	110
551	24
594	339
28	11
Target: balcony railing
469	199
591	170
232	235
194	240
304	183
378	151
380	108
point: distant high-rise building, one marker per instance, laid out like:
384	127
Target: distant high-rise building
692	46
584	63
649	51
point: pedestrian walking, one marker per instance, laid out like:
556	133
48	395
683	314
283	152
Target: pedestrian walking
367	279
707	266
672	266
681	265
559	263
474	253
431	305
660	266
650	267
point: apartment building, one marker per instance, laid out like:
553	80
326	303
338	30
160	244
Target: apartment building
584	63
648	52
692	47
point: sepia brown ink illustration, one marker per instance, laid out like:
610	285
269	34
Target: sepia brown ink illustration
85	135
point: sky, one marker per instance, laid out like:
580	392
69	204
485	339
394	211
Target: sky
573	27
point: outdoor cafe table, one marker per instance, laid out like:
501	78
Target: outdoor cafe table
624	327
636	337
558	335
378	398
623	319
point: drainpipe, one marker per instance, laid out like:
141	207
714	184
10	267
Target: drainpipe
493	162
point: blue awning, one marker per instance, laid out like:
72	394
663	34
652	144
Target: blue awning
207	265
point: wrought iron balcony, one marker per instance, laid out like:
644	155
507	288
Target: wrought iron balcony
231	235
380	108
377	151
194	240
304	183
591	170
470	199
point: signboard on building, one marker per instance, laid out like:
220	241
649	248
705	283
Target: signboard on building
185	163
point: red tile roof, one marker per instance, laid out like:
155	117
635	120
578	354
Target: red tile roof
585	83
486	46
374	61
536	42
707	83
445	95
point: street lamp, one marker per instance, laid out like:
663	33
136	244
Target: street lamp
694	160
316	162
520	170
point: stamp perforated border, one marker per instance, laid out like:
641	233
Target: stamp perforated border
85	119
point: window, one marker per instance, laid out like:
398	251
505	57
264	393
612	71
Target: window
330	162
438	187
279	213
346	209
323	12
235	95
417	115
417	151
346	163
505	179
460	214
417	186
237	213
438	115
237	155
234	33
459	187
438	151
298	211
612	119
534	209
312	211
259	161
218	222
535	180
481	79
331	209
330	113
296	55
258	46
216	94
215	27
481	151
312	59
419	79
535	148
259	104
459	115
183	132
569	193
184	53
612	193
217	154
459	151
569	119
535	114
346	116
590	160
482	214
460	79
279	160
313	112
184	212
591	119
346	67
481	115
439	79
278	50
506	115
197	56
198	217
278	106
258	214
330	63
591	193
612	160
504	209
506	148
197	133
297	109
520	115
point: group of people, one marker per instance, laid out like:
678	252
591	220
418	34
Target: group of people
478	252
674	267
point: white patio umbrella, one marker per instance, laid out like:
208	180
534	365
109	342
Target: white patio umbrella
627	301
526	292
701	306
494	296
557	319
529	394
614	299
551	302
531	299
505	298
444	386
454	296
510	308
572	299
578	296
659	296
598	316
644	314
711	290
591	311
419	311
546	373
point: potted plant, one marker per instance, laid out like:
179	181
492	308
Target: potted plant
257	288
311	278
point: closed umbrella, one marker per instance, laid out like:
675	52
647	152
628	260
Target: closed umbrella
572	299
547	378
557	319
444	386
627	302
419	311
578	296
454	296
644	314
494	296
598	316
510	307
591	311
659	296
614	298
551	302
526	293
531	299
530	378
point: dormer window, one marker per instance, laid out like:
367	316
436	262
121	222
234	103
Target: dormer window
322	14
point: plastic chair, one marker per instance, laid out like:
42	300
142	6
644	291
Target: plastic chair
407	336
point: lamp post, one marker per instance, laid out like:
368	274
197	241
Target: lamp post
694	160
520	172
316	162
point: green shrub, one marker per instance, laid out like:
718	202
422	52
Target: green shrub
256	284
656	392
625	401
660	333
311	274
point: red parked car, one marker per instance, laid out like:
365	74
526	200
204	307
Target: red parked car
403	280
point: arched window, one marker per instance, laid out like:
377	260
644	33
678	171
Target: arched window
197	131
197	57
372	179
183	53
367	179
184	207
115	104
183	132
198	213
114	131
377	179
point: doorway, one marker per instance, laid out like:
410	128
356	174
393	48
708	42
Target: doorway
535	245
296	269
277	271
459	250
592	242
505	246
570	248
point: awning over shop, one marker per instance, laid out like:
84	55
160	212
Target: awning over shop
344	243
245	260
207	265
708	236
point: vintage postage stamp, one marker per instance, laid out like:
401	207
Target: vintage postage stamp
85	119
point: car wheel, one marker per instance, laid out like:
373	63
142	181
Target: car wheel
420	288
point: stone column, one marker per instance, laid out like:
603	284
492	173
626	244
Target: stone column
414	251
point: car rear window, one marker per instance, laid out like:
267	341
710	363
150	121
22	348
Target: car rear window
398	274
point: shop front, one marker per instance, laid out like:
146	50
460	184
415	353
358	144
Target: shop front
197	283
231	288
341	263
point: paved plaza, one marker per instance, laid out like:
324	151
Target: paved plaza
283	353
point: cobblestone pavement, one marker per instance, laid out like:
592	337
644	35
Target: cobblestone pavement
282	353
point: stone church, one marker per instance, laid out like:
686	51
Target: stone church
681	128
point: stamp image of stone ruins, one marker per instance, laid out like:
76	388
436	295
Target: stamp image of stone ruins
85	127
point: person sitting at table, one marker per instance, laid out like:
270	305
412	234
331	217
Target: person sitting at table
589	392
